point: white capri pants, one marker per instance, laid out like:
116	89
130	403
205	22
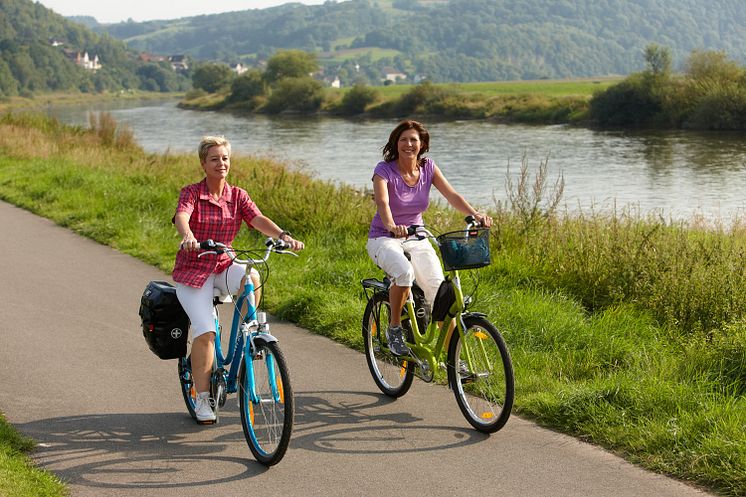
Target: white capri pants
197	302
388	254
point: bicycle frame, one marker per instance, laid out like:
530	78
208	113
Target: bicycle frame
425	346
245	330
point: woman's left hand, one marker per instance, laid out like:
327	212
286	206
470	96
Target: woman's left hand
483	219
295	245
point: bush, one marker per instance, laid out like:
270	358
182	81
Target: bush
421	99
629	103
357	99
246	87
722	107
298	94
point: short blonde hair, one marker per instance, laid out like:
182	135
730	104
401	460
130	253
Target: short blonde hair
208	142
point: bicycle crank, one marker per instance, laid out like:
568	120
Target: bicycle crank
218	387
423	370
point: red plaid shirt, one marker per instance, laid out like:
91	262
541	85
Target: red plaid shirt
210	219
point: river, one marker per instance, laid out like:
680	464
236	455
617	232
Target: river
677	174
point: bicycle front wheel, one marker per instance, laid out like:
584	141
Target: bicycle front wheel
480	373
266	402
392	375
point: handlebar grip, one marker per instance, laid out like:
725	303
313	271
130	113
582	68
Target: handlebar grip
208	245
469	219
276	244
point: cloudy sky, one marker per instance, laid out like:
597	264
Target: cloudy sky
146	10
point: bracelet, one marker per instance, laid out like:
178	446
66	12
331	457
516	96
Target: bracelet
283	233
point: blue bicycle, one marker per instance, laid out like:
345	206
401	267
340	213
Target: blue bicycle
254	367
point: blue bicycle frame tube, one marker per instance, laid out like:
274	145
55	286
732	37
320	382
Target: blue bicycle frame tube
236	339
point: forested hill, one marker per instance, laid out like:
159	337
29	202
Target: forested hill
41	51
457	40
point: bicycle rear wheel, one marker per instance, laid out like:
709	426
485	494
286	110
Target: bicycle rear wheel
267	419
480	373
187	384
392	375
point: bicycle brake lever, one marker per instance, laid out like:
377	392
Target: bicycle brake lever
286	252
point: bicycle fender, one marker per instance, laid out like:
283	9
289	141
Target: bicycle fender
264	339
475	314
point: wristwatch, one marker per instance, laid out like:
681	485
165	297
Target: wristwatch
283	233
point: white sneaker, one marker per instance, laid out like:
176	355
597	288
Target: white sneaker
203	408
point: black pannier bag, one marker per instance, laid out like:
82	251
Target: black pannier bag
165	325
444	299
421	309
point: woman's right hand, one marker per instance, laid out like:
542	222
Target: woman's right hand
189	243
398	231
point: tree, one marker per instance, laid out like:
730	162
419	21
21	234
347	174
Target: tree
247	87
658	60
157	77
290	64
8	84
212	77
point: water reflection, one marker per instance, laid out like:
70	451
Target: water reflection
679	174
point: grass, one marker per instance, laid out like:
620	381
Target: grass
18	475
41	102
553	88
625	331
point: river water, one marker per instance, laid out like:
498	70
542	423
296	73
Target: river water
677	174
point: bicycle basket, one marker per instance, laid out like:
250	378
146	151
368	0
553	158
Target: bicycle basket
465	249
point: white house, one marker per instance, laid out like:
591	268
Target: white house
391	74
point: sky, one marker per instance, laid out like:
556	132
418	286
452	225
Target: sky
147	10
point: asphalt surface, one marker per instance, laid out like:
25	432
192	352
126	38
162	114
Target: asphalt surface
110	421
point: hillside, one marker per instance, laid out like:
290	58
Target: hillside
456	40
41	51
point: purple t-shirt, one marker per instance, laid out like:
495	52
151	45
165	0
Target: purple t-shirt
407	203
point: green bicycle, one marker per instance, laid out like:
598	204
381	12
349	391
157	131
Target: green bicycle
465	344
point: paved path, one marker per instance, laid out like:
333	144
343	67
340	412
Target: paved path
109	419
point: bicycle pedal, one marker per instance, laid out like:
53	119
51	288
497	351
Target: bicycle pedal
425	374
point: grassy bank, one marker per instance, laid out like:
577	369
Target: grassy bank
40	102
534	102
625	331
18	476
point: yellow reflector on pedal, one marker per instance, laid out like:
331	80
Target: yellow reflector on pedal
481	335
403	369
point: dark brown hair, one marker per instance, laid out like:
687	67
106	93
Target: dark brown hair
391	149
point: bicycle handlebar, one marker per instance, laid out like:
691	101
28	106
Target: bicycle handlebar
277	246
422	232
